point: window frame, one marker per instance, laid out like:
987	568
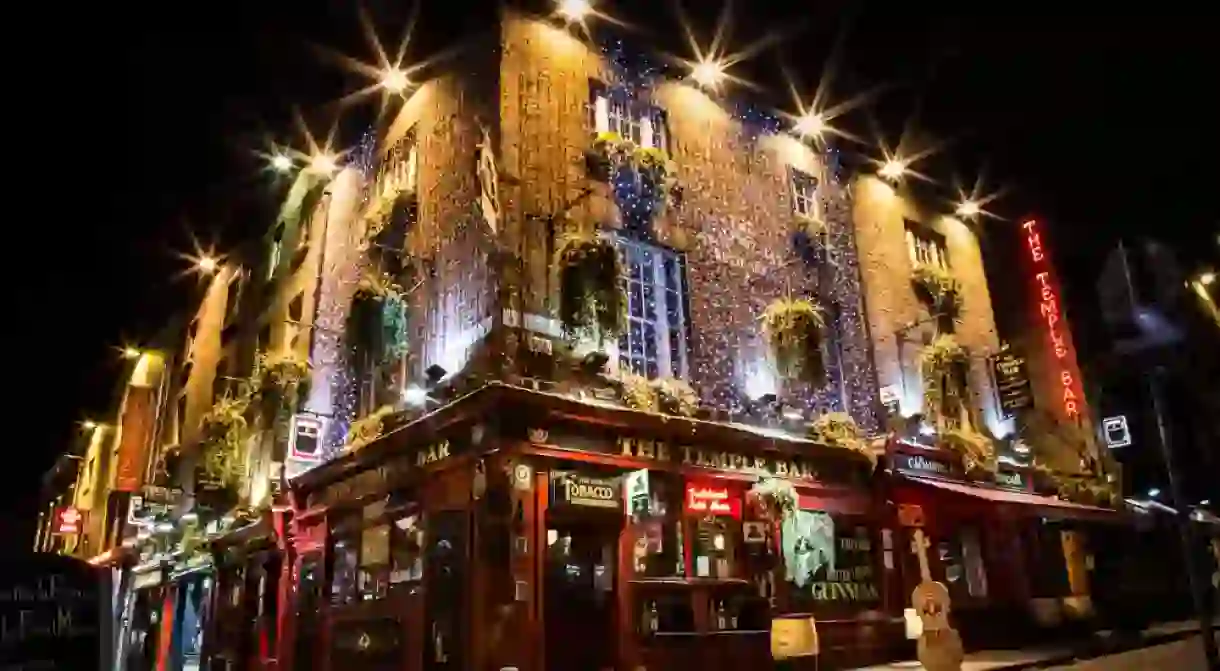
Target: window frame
614	110
925	246
669	274
812	210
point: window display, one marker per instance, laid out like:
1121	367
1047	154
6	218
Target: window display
829	562
657	551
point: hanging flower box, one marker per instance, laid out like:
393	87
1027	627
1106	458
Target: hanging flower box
591	299
793	332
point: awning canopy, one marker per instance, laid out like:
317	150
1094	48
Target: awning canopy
1046	506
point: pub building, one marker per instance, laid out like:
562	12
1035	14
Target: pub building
526	530
1014	557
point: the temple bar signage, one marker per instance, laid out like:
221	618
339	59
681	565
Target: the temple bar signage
584	491
394	473
651	450
1011	381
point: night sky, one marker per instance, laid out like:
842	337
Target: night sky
1102	124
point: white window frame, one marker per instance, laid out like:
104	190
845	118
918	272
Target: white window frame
637	122
925	250
806	201
276	250
669	363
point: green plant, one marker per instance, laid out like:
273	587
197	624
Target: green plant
976	450
776	496
676	397
377	321
942	391
793	332
367	429
637	392
590	296
937	287
280	378
838	429
223	435
381	206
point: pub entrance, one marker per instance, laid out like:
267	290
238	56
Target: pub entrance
579	583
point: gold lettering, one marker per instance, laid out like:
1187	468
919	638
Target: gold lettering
648	449
662	451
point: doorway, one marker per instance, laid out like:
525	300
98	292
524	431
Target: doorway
579	594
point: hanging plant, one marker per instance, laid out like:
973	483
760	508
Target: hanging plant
793	331
976	450
381	206
838	429
280	379
776	498
637	392
940	384
937	287
223	434
590	297
676	397
376	322
367	429
658	177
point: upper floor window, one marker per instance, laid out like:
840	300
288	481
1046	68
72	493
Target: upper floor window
641	123
926	246
277	245
805	195
655	341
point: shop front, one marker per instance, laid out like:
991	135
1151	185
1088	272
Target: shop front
231	605
520	530
1016	562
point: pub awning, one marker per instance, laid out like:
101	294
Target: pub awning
1043	506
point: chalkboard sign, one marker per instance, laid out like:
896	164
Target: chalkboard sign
1011	381
51	614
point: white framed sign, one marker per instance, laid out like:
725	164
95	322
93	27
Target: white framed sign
305	438
1116	431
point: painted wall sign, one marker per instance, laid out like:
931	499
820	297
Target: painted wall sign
1011	377
394	473
1116	431
638	492
709	500
1047	305
305	438
134	438
586	492
651	450
54	614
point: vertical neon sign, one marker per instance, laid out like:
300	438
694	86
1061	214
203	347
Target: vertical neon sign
1049	309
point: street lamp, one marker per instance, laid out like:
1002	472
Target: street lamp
1206	279
893	169
323	164
395	80
131	353
207	265
811	124
968	209
707	73
574	10
281	163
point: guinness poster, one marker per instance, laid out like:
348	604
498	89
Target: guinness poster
574	489
1011	377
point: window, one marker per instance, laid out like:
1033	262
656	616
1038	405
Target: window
373	550
615	112
657	551
961	561
654	282
926	246
805	195
295	308
277	244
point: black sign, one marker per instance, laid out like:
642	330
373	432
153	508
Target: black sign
51	614
1011	479
1011	381
918	463
587	492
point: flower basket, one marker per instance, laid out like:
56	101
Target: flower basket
590	297
838	429
280	379
937	287
793	332
367	429
637	392
940	384
224	431
976	451
676	397
775	498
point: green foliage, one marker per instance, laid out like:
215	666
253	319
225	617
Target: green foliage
942	392
637	392
793	331
838	429
591	299
280	379
676	397
975	449
223	435
377	321
367	429
776	497
938	288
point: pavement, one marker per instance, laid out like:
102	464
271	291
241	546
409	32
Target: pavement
1167	640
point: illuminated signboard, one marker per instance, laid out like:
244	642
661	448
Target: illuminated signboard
1046	297
719	501
1117	433
67	520
305	438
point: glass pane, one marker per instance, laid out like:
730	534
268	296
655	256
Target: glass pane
635	298
652	370
650	301
673	313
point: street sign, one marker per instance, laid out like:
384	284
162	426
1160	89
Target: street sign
1116	431
305	438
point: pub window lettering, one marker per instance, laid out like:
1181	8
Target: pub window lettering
925	246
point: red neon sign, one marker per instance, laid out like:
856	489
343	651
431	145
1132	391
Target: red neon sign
67	520
719	501
1046	297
